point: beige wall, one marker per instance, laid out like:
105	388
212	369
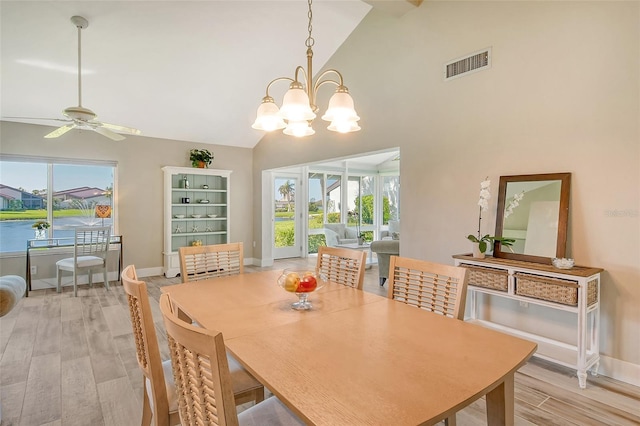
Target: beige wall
562	96
140	192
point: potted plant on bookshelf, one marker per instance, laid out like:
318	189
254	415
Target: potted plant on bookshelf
482	242
200	158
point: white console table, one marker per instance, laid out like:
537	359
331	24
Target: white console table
575	290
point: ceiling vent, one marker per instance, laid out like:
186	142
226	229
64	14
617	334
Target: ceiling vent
474	62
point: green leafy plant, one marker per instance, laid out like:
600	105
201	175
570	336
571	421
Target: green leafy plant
487	241
200	155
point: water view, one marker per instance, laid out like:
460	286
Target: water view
15	233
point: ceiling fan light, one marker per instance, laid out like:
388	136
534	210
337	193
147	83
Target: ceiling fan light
298	129
342	126
267	117
341	107
295	105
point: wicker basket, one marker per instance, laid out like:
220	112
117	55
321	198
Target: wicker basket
480	276
554	289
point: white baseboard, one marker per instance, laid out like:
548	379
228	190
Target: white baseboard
620	370
149	272
264	262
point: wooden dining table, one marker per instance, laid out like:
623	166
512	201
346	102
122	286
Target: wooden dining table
356	358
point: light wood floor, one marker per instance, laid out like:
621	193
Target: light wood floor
71	361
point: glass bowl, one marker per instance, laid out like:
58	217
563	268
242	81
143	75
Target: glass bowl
302	282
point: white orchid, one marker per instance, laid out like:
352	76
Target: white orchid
485	194
483	202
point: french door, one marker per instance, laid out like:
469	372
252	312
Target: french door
286	216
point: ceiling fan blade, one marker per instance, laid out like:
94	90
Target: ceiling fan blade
60	131
130	130
38	118
108	133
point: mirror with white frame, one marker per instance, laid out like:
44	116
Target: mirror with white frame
533	210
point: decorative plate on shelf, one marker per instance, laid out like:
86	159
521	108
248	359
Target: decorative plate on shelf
212	215
196	216
178	216
203	201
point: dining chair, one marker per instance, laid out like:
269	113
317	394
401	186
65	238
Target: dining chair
342	265
160	403
217	260
91	246
435	287
203	382
431	286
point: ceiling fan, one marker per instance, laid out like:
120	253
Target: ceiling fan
80	117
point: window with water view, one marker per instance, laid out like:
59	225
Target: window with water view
64	195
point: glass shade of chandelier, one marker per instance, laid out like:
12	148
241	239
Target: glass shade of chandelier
298	106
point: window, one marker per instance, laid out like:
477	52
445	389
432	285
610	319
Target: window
66	194
390	198
316	212
361	190
333	198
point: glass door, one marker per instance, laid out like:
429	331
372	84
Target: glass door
286	213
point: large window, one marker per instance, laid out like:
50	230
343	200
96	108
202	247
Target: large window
65	194
390	198
361	190
332	199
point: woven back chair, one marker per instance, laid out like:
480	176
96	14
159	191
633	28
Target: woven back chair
158	378
431	286
204	262
203	382
343	266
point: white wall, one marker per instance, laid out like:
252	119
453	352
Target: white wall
562	95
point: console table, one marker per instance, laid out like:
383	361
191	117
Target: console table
54	243
575	290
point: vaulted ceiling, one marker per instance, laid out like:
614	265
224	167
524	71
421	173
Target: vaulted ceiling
187	70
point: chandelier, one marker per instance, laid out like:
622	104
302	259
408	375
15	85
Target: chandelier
298	106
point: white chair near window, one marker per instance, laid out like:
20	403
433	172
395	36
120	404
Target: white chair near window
89	254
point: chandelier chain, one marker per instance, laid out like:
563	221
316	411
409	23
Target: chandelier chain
310	41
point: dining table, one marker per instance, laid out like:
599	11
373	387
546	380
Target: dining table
356	358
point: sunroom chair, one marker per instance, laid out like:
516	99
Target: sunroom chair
342	266
90	251
203	382
431	286
160	403
384	249
339	233
217	260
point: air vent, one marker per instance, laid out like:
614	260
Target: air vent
474	62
